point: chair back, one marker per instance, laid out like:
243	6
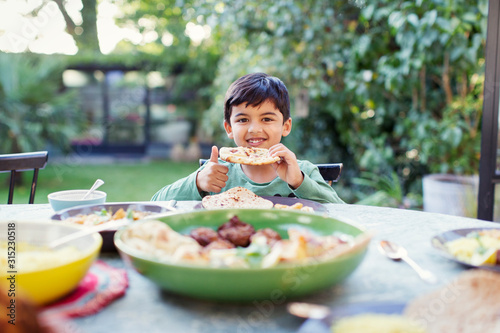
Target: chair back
330	171
15	163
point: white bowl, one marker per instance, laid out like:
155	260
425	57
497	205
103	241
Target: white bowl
72	198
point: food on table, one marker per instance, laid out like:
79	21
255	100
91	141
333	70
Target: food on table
237	244
376	323
236	232
104	216
247	155
160	241
269	234
204	236
35	257
477	247
297	205
237	197
468	304
240	197
219	244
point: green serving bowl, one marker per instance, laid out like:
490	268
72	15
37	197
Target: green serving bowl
277	283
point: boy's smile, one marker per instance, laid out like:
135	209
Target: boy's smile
260	126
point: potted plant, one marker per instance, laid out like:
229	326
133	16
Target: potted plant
451	151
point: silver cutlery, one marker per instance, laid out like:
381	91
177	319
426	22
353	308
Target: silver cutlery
396	252
94	187
308	310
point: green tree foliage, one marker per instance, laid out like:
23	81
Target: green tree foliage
85	32
33	110
392	85
190	67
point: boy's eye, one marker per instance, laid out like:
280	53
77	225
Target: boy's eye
267	119
241	120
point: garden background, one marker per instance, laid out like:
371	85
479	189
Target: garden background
392	89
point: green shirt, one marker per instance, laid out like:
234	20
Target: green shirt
313	187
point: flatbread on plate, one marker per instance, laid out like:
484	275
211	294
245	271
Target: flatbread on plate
247	155
237	197
469	304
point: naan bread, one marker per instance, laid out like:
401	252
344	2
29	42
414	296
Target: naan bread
469	304
237	197
246	155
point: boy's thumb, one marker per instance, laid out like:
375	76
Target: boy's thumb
214	156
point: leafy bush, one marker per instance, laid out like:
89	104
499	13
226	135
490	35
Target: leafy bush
392	85
34	112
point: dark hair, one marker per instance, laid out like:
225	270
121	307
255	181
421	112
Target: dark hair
255	89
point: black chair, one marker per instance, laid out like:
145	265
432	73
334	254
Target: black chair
330	171
15	163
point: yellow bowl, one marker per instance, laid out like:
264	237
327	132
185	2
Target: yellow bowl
44	285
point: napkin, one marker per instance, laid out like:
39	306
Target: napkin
101	285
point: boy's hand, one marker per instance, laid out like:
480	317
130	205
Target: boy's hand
287	169
213	177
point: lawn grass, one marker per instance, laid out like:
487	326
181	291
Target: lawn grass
123	181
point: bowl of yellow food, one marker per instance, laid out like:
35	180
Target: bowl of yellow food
33	270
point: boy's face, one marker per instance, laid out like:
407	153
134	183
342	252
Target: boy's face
260	126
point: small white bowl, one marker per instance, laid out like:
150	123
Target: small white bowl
72	198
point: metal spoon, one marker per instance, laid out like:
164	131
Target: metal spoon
308	310
396	252
87	231
94	187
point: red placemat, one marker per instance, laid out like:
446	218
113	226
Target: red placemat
101	286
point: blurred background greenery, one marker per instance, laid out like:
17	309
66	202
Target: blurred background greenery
126	181
393	89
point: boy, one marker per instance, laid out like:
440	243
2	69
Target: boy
256	114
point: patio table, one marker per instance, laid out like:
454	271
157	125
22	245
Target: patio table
146	308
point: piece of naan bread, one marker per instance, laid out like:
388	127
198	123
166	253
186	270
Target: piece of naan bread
247	155
469	304
237	197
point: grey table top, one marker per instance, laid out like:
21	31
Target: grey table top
146	308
